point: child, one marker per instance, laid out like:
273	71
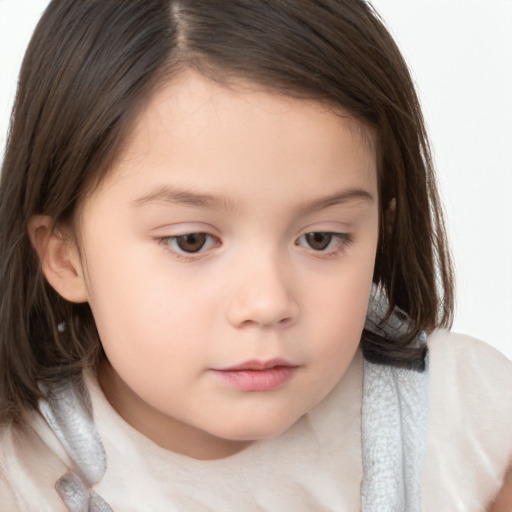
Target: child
225	281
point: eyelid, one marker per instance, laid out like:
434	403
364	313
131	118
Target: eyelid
182	228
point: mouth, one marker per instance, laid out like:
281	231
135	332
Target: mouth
257	375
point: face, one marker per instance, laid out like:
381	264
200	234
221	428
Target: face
227	259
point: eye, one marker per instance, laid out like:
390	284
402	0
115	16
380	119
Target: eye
324	241
191	243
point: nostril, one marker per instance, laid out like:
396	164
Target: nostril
286	321
269	315
283	322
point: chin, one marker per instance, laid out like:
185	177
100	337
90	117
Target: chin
257	429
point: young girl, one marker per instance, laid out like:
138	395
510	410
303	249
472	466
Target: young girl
224	274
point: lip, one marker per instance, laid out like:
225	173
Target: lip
257	375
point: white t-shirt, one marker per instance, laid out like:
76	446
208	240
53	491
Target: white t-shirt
315	466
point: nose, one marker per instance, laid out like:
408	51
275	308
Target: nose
263	294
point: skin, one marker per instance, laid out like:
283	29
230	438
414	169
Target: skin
255	171
503	501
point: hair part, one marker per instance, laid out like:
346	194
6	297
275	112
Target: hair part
93	65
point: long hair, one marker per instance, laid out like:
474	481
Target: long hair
90	68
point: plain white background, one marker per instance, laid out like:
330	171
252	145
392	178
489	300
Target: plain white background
460	54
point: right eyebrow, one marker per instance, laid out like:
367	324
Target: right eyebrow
175	196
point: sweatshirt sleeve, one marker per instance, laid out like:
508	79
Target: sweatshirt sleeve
28	472
469	428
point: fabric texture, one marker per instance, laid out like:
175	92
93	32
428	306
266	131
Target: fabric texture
70	419
394	418
393	432
394	421
316	465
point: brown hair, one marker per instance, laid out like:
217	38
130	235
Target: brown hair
87	72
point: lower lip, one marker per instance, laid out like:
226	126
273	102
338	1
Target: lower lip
257	380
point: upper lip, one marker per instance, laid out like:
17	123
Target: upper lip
257	364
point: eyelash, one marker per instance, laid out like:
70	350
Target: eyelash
343	240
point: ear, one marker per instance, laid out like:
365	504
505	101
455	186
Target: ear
60	261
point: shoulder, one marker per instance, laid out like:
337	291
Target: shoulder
468	374
469	429
451	347
28	468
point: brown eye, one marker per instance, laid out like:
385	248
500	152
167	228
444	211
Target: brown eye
191	242
318	241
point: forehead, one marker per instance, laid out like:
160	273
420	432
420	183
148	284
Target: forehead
194	127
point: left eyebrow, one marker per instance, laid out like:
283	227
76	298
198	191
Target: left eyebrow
345	196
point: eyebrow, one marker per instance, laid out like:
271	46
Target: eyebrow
339	198
173	196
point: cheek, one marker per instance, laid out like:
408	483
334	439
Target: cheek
340	301
338	313
334	335
338	327
145	314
